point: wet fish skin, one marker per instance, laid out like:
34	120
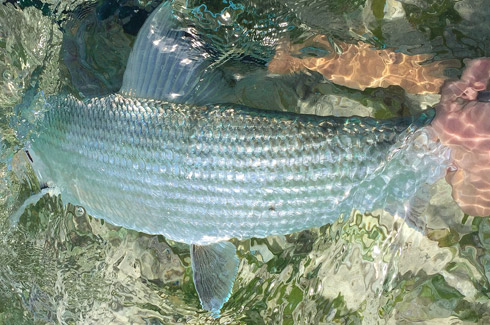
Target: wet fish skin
202	174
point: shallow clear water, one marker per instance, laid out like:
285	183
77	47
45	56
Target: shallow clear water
59	265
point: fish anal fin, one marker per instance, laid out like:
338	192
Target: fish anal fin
214	268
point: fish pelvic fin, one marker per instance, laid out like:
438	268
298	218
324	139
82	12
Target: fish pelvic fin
32	200
169	62
214	269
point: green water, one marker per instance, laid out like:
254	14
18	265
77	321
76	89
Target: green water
59	265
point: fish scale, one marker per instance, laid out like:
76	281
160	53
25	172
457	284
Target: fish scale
199	174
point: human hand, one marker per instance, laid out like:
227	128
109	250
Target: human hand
463	124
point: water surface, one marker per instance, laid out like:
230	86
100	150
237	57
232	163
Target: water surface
59	265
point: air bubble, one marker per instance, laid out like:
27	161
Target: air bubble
7	75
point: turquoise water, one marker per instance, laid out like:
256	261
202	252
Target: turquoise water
59	265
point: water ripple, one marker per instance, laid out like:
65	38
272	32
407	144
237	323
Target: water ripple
59	265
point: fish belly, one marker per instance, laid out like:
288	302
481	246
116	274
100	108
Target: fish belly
204	174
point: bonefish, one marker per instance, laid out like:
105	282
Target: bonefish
162	157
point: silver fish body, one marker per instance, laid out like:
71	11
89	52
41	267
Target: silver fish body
203	174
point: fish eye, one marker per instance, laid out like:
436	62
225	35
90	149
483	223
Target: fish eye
29	156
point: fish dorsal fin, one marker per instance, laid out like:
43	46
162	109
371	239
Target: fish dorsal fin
168	62
214	269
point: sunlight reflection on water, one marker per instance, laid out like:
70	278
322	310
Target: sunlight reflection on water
61	265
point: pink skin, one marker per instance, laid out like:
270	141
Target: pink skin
463	124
